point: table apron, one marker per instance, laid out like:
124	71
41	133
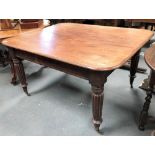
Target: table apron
58	65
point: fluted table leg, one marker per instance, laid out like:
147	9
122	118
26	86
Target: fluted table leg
97	104
97	82
20	73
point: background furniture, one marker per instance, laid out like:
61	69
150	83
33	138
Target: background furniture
4	55
5	24
30	23
150	60
85	51
153	133
146	23
11	31
105	22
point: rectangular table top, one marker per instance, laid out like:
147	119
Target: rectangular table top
90	46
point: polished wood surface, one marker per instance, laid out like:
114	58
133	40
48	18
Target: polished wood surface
85	51
8	33
150	57
89	46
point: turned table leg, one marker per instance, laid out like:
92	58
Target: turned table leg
1	59
20	73
144	112
13	72
133	68
12	68
97	82
97	104
7	60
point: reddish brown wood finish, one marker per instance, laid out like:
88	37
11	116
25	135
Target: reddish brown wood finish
94	47
150	60
5	24
9	33
85	51
21	74
150	57
29	24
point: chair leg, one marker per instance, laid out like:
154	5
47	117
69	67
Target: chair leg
144	112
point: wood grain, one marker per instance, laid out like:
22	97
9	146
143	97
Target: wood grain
8	33
94	47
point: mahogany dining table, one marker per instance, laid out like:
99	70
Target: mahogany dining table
86	51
